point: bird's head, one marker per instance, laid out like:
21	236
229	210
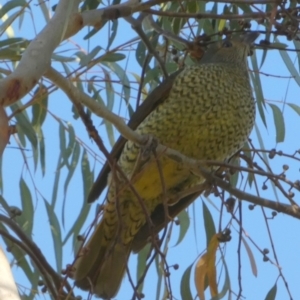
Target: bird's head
233	50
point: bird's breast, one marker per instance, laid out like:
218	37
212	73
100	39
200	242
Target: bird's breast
208	114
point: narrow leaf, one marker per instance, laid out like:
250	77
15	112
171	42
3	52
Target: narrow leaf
295	107
289	64
279	123
272	293
112	57
227	286
42	149
184	223
56	235
251	257
185	290
87	179
141	264
27	208
209	224
114	30
11	5
206	266
39	108
24	126
119	71
56	183
258	89
85	59
71	169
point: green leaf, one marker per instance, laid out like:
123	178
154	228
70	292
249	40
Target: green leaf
265	157
152	74
214	21
110	132
35	157
177	25
6	26
265	50
289	64
185	290
56	235
114	30
85	59
63	59
227	286
14	42
9	54
251	257
258	89
109	89
108	125
87	179
141	264
42	149
26	218
11	5
66	152
184	223
279	123
209	224
24	127
192	6
90	5
140	53
4	205
56	182
45	11
235	161
279	45
1	177
295	107
119	71
71	144
272	293
112	57
71	170
94	30
297	46
39	108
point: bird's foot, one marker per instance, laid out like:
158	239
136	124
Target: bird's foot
148	148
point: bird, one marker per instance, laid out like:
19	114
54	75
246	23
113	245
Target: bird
206	112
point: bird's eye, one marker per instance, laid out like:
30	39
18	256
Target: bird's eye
227	44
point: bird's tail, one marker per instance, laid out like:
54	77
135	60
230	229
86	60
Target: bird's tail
101	264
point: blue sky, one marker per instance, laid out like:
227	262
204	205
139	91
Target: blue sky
284	229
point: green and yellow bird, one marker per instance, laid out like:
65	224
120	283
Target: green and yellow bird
207	114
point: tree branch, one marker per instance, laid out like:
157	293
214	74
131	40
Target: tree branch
34	252
78	96
100	110
37	57
65	23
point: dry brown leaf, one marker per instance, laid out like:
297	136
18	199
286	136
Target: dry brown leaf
206	266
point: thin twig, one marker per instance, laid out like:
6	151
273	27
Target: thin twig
136	25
